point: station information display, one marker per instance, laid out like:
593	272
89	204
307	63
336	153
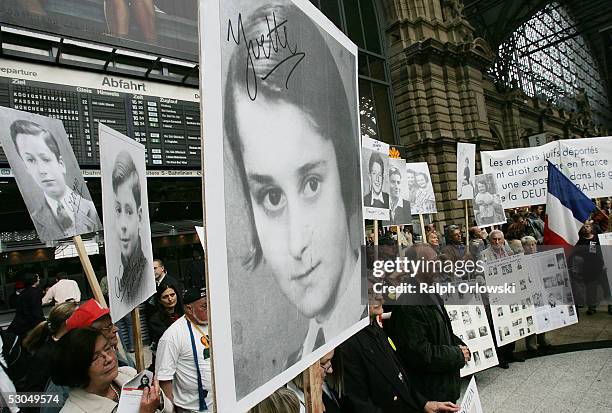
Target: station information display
164	118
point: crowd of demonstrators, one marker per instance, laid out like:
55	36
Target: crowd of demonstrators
63	290
373	375
167	310
183	357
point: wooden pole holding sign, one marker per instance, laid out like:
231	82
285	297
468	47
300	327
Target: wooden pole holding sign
423	234
89	272
467	223
93	282
313	389
375	232
137	340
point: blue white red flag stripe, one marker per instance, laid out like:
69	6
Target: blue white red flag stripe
567	208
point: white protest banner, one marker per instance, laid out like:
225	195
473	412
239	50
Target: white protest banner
127	231
466	169
605	240
588	164
552	292
512	321
374	179
469	323
283	220
471	399
521	174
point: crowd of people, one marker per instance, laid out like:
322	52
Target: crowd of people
408	362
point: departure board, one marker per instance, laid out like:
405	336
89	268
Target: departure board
164	118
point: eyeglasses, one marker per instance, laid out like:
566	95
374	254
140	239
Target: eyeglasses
327	366
107	329
99	357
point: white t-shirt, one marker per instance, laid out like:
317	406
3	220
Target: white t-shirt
62	291
174	361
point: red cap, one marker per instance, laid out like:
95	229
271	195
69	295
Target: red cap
85	315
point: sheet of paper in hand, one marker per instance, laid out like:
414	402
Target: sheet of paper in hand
471	399
131	392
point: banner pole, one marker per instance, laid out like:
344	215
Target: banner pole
93	281
375	232
423	229
89	272
467	223
138	348
313	388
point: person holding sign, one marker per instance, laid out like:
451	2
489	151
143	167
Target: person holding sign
65	212
94	377
305	205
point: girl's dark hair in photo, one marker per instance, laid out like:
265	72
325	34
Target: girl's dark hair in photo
73	356
304	74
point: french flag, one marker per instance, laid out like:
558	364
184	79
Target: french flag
567	208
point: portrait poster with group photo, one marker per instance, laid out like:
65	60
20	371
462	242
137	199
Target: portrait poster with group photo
399	205
488	207
469	322
127	231
466	170
283	197
420	188
48	175
375	179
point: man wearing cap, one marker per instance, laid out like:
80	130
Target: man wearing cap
183	357
92	314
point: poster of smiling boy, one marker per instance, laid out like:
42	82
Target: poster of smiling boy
127	233
48	175
282	167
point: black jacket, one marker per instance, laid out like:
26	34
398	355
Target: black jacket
427	346
28	311
374	380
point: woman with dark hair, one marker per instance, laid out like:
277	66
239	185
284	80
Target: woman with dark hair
28	306
41	341
85	361
294	108
166	311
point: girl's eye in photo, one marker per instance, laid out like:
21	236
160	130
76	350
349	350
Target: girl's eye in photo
272	199
312	186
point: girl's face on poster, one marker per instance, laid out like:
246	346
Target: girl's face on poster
410	178
294	185
421	181
482	188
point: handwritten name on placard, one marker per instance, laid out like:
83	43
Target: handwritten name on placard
263	46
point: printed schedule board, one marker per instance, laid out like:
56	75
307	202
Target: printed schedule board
164	118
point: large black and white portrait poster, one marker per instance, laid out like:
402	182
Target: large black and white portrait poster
399	205
466	169
375	179
48	175
127	232
488	207
420	188
283	222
